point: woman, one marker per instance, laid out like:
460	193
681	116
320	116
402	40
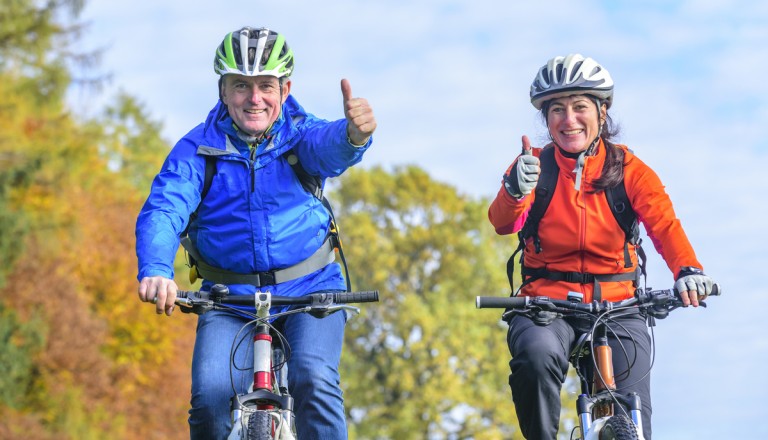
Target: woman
579	237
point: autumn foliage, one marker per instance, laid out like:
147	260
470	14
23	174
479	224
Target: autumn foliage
82	358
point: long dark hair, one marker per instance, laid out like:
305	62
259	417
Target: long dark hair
613	168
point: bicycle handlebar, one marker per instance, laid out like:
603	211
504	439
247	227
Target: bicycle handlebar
667	299
202	301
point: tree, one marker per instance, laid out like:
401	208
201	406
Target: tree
88	360
423	363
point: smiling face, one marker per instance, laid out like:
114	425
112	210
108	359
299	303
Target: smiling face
574	122
253	102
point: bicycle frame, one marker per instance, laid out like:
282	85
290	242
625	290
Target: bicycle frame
265	412
269	391
597	407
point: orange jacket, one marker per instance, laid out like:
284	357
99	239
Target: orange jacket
579	233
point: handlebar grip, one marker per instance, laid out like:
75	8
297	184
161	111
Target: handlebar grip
716	290
356	297
500	302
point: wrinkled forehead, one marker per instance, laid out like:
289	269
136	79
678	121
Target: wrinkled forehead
257	80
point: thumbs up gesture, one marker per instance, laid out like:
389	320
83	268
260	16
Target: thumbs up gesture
360	120
524	176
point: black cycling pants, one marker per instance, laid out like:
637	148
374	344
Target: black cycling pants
540	363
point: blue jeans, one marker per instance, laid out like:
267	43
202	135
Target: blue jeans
313	373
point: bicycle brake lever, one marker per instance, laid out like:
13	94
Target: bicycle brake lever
325	310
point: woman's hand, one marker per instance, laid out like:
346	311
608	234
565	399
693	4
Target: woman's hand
523	178
693	286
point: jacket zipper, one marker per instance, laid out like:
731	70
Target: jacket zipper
583	234
252	166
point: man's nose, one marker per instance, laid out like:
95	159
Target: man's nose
255	95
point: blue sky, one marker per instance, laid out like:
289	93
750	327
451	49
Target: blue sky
448	81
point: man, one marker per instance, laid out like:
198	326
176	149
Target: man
258	220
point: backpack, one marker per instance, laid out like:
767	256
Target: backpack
620	207
312	184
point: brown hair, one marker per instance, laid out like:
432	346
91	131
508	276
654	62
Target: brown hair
613	168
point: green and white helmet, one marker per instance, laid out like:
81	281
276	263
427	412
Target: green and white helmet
571	75
254	52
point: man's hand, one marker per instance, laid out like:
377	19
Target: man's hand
161	288
360	120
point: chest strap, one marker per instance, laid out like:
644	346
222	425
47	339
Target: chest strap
530	275
322	257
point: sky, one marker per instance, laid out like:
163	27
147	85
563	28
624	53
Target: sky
448	81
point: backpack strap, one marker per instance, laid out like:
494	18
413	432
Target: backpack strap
322	257
210	171
312	184
545	188
627	219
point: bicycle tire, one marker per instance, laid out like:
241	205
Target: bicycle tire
259	426
618	427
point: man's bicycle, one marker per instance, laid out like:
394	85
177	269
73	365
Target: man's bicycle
265	412
603	412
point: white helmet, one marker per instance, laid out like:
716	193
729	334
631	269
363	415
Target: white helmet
571	75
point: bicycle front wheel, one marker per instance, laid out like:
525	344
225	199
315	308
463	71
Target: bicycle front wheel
259	426
618	427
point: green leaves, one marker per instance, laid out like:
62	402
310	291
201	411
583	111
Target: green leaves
20	343
423	362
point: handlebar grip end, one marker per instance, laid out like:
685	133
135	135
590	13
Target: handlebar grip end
356	297
716	290
500	302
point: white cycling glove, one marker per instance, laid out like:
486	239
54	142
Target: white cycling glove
522	179
692	278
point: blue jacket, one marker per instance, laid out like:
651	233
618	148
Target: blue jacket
256	216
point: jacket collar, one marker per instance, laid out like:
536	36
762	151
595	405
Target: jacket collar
219	129
592	165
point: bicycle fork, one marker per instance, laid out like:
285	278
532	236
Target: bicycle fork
269	391
602	404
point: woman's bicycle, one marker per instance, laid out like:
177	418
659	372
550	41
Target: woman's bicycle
603	412
265	412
